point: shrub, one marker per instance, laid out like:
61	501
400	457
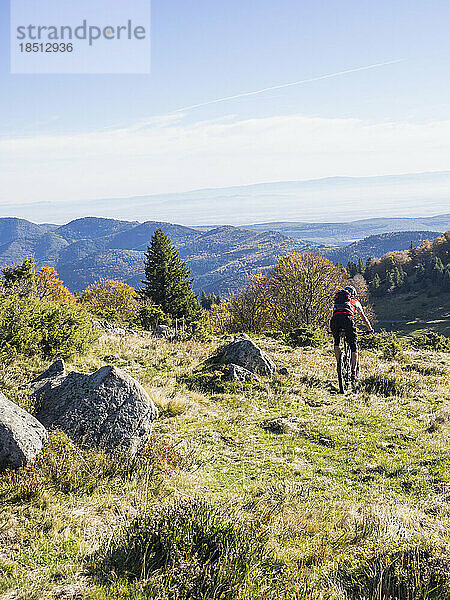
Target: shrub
371	341
111	299
425	369
386	385
151	315
393	348
275	334
432	341
190	551
209	381
307	336
32	327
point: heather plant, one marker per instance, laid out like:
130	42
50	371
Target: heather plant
191	551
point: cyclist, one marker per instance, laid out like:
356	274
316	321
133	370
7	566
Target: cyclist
346	306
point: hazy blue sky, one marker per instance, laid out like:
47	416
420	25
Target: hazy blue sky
75	137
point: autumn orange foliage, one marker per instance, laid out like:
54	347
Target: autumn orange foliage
50	287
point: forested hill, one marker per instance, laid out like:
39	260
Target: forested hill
91	248
376	246
411	284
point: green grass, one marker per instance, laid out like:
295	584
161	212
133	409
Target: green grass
333	506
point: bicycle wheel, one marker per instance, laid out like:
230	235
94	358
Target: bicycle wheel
340	376
343	366
346	367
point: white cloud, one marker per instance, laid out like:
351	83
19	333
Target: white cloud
170	154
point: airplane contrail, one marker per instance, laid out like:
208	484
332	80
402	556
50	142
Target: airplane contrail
285	85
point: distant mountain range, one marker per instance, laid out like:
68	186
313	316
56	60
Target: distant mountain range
90	248
344	233
347	198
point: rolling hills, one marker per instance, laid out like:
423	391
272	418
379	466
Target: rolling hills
221	258
91	248
378	245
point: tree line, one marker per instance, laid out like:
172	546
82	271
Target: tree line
296	292
427	265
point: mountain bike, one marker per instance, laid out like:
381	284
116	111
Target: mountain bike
344	366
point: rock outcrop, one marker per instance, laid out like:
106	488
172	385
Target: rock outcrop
243	352
107	410
22	437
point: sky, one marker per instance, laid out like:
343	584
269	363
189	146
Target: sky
72	138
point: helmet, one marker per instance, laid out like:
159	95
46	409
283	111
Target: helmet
351	290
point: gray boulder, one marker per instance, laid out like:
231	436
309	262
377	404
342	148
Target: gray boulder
108	410
21	435
245	353
237	373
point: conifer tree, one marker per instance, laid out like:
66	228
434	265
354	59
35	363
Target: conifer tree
376	284
437	274
352	268
167	280
361	266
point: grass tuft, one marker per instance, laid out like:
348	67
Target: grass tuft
384	385
414	574
65	468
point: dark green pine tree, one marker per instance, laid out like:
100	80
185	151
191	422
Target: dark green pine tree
352	268
167	280
446	279
376	285
437	274
361	266
420	273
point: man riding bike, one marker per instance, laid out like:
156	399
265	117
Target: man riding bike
346	306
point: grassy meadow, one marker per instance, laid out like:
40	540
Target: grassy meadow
348	498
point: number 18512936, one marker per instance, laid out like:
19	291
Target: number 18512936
45	47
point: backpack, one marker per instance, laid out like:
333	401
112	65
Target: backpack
342	303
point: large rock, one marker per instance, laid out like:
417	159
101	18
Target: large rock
108	410
21	435
245	353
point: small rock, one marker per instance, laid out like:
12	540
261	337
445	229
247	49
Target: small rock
280	425
245	353
22	437
237	373
326	442
163	331
114	328
283	371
